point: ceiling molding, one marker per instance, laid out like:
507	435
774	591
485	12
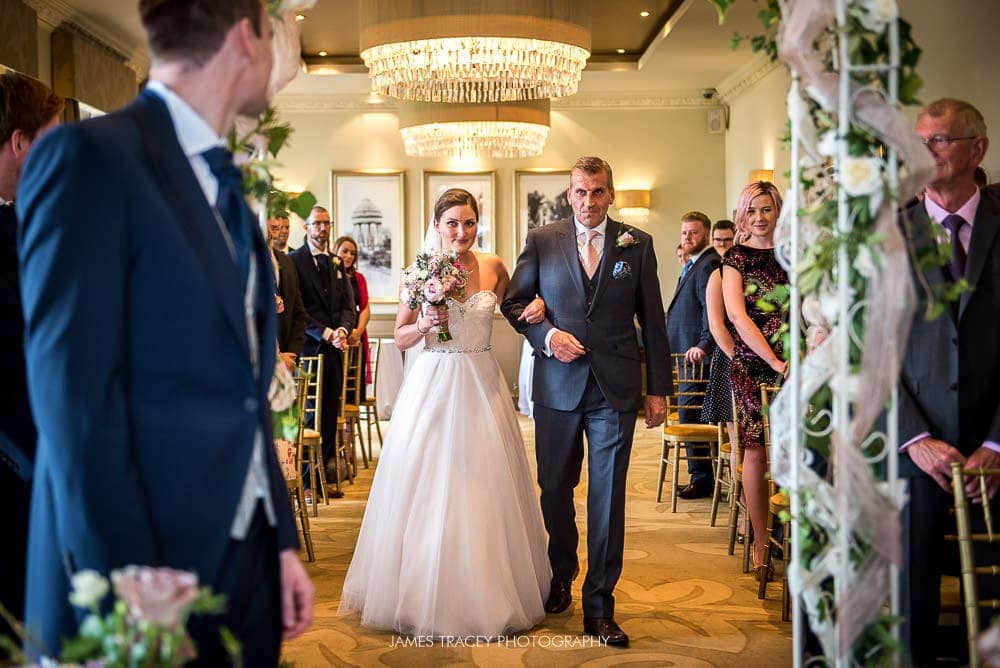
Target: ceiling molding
319	103
53	13
746	77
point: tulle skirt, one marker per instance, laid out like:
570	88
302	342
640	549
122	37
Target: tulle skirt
452	543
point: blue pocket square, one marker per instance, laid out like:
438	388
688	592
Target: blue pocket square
622	269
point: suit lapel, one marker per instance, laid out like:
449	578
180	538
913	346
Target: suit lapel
984	234
195	216
687	277
567	242
609	256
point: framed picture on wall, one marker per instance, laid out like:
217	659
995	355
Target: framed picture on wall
482	185
539	199
370	206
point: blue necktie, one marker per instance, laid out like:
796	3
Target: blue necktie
231	205
954	224
684	271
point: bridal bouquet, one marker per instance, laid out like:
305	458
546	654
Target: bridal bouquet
432	279
146	625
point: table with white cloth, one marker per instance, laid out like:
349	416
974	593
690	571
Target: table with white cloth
390	377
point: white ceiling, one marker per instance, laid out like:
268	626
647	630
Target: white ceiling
696	53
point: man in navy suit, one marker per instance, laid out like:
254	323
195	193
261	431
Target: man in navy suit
27	109
596	276
329	301
687	329
150	347
949	386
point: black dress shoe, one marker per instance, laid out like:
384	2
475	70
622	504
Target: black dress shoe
605	629
696	490
559	597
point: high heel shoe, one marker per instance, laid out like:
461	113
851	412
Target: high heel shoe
762	571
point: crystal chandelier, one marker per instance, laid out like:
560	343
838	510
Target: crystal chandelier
475	51
504	130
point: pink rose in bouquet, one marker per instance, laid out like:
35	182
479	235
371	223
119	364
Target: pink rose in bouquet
432	279
161	596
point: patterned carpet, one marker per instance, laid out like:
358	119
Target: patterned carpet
681	598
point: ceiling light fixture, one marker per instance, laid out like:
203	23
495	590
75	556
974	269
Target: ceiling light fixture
620	50
322	53
500	130
300	17
483	51
644	13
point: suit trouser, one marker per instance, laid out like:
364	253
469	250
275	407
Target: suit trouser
700	470
333	379
559	453
15	499
251	580
926	556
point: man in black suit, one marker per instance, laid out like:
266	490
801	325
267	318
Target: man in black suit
148	453
292	316
949	386
27	109
687	330
329	301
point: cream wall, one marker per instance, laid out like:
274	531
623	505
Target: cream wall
666	150
960	59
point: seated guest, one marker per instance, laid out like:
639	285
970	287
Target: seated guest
347	250
681	255
27	109
756	360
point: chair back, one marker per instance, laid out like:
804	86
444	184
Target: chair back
967	538
690	383
311	367
374	350
353	378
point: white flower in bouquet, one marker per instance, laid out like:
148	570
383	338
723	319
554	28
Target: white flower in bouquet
89	588
876	14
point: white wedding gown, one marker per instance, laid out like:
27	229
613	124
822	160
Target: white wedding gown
452	543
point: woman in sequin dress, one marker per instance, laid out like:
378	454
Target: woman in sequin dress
750	271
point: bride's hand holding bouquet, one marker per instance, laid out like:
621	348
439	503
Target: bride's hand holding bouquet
430	282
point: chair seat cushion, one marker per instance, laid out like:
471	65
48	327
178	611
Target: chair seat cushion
781	500
691	432
311	434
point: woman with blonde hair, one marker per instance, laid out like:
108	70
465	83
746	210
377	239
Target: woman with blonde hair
750	272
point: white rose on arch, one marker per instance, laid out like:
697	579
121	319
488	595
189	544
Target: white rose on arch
877	13
861	177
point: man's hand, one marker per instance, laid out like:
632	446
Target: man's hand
694	354
296	596
565	347
534	313
934	458
982	458
656	410
288	359
279	304
338	339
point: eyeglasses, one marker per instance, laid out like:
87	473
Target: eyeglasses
321	223
937	141
722	240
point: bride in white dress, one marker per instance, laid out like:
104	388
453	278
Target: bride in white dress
452	543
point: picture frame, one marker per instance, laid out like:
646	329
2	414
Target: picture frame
370	206
482	185
539	198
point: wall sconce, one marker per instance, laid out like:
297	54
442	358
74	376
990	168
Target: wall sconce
762	175
633	205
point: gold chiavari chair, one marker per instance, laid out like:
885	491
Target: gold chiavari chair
967	538
369	407
293	474
693	377
778	505
349	419
736	503
311	367
723	474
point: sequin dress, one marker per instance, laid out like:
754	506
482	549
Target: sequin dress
760	269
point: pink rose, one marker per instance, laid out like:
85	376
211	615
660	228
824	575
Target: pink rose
433	263
434	290
161	596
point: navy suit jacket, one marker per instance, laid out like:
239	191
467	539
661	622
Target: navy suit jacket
949	383
139	360
687	315
627	288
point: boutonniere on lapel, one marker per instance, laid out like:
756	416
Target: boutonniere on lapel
622	269
624	240
335	260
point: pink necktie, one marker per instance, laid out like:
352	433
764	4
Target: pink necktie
591	258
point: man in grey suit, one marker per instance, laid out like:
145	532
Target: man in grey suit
687	329
595	275
949	386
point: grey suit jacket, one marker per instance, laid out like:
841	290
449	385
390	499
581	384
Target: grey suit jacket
949	385
687	315
627	288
